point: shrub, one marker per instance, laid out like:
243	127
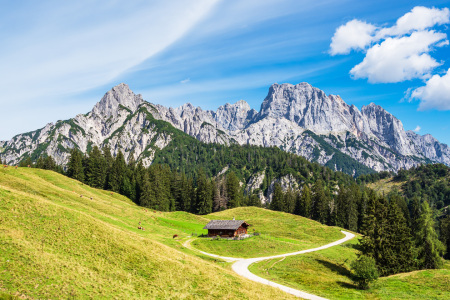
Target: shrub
364	271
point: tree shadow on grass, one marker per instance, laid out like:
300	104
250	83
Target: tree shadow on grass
348	285
336	268
341	270
353	246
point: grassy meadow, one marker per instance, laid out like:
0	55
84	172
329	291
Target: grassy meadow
60	238
384	186
57	242
279	233
327	273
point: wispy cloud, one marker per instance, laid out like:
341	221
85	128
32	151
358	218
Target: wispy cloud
417	129
60	48
185	80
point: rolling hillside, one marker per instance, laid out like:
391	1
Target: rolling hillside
327	273
58	242
62	238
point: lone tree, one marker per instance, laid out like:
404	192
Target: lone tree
364	271
430	249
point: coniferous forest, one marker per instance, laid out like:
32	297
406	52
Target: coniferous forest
402	231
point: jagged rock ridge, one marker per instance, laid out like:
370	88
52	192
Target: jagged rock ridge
296	118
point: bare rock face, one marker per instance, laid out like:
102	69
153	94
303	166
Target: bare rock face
234	116
296	118
120	95
308	107
387	129
430	147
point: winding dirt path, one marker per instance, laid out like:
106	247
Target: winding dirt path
241	266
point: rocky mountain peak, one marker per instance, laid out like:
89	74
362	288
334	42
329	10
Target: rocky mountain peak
235	116
309	107
120	95
387	128
289	113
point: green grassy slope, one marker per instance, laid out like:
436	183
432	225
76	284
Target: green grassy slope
327	273
56	244
280	233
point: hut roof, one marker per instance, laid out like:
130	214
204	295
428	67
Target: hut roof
225	224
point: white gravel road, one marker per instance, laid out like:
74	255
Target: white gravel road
241	266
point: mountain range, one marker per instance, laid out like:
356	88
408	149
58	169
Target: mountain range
298	118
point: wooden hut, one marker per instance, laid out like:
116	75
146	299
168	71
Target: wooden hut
226	228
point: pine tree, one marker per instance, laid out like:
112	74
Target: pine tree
254	201
24	163
190	190
118	170
95	169
138	175
320	203
49	163
445	235
216	196
185	201
401	203
415	212
126	187
233	190
369	227
362	206
40	163
75	168
204	195
160	183
352	208
176	188
430	249
298	210
147	197
289	200
381	232
109	161
305	202
398	252
341	208
277	202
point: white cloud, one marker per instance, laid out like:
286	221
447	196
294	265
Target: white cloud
185	80
435	94
399	59
396	53
354	34
419	18
417	129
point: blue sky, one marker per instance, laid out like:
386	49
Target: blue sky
58	58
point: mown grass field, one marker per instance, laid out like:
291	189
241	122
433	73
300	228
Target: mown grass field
57	242
327	273
279	233
386	185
